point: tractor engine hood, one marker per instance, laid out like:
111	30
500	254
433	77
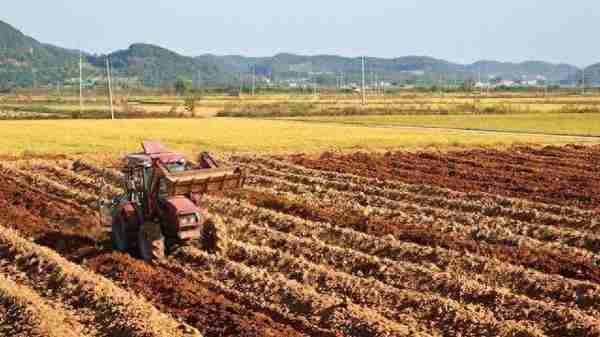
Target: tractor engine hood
182	205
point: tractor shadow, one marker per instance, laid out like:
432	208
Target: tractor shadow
74	247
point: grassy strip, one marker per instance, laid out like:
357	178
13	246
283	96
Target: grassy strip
584	124
231	135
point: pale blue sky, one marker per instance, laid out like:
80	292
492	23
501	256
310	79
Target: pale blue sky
459	30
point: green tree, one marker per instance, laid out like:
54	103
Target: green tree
191	103
468	84
182	86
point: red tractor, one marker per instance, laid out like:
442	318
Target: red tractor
161	209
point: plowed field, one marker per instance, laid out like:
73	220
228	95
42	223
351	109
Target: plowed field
471	243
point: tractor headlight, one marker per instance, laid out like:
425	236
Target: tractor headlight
188	220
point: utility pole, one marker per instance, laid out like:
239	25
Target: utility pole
32	70
198	80
33	79
110	100
364	97
253	80
488	84
583	81
241	83
80	83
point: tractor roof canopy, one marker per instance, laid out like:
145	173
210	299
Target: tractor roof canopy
152	147
153	150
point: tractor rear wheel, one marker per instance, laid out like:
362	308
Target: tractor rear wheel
211	236
151	242
119	234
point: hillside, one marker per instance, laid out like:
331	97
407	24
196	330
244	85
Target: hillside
326	68
154	65
11	38
552	71
25	61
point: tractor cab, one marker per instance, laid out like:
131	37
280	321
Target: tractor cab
140	169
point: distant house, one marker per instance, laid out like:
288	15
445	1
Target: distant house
505	83
532	83
25	50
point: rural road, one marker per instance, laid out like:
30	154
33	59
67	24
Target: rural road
446	129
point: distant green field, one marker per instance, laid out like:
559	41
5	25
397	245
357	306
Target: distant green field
230	135
568	124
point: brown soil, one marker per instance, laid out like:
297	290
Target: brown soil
547	262
36	213
194	303
75	233
557	175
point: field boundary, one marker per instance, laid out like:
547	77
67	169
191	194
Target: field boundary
478	131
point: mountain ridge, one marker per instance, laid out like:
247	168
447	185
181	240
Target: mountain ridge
24	60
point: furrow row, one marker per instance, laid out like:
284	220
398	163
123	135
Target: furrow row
115	311
386	217
518	209
326	312
490	271
444	208
500	302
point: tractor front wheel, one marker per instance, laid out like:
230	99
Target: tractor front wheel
119	234
151	242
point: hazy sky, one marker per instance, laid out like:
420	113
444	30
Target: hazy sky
459	30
